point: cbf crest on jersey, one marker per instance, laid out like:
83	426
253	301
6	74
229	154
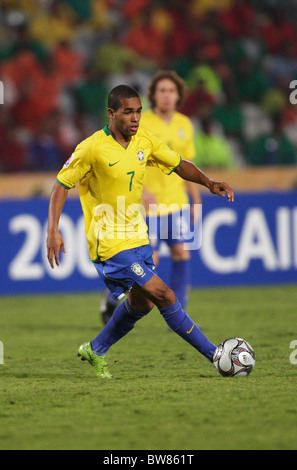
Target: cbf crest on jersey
140	155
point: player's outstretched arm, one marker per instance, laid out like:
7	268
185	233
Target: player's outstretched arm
189	171
54	241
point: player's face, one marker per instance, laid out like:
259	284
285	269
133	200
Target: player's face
166	95
126	118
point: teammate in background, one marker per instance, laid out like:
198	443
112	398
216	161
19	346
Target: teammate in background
110	167
166	92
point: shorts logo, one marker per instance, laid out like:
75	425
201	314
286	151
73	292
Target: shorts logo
137	269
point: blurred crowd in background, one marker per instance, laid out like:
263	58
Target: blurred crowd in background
59	59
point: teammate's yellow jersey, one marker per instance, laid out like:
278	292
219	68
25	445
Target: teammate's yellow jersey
179	136
110	186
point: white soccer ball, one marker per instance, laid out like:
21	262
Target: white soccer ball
234	357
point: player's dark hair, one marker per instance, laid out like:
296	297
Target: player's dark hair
118	93
170	75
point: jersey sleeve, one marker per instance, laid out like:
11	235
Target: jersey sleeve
77	166
163	157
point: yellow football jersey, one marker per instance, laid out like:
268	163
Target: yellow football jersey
110	186
179	136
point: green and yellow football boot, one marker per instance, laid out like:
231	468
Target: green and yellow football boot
98	362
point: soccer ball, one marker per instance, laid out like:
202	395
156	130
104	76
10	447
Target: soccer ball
234	357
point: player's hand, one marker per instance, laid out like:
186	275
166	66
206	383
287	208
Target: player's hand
54	244
222	189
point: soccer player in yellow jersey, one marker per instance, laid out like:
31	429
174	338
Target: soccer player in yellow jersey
170	221
109	167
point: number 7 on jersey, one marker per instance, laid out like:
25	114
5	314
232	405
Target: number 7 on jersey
132	175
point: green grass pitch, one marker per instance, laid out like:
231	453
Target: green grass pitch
164	395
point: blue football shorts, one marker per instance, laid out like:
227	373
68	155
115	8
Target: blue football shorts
120	272
171	228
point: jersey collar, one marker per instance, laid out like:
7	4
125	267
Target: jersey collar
106	130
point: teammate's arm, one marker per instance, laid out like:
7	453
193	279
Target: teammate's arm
54	241
189	171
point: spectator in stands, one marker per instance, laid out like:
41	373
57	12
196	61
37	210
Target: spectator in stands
200	8
44	152
131	76
282	64
29	8
22	41
132	8
90	96
185	32
146	39
82	9
68	63
13	155
237	19
110	58
22	67
272	148
212	45
212	150
229	114
251	82
277	31
275	99
198	99
250	46
204	71
38	94
53	26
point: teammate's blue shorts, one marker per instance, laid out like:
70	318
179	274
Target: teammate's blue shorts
120	272
171	228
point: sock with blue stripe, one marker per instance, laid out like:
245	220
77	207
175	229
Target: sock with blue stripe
180	322
121	322
180	278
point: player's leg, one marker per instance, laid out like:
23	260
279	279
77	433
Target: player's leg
109	301
122	322
156	257
179	232
120	273
175	316
108	305
180	272
138	301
